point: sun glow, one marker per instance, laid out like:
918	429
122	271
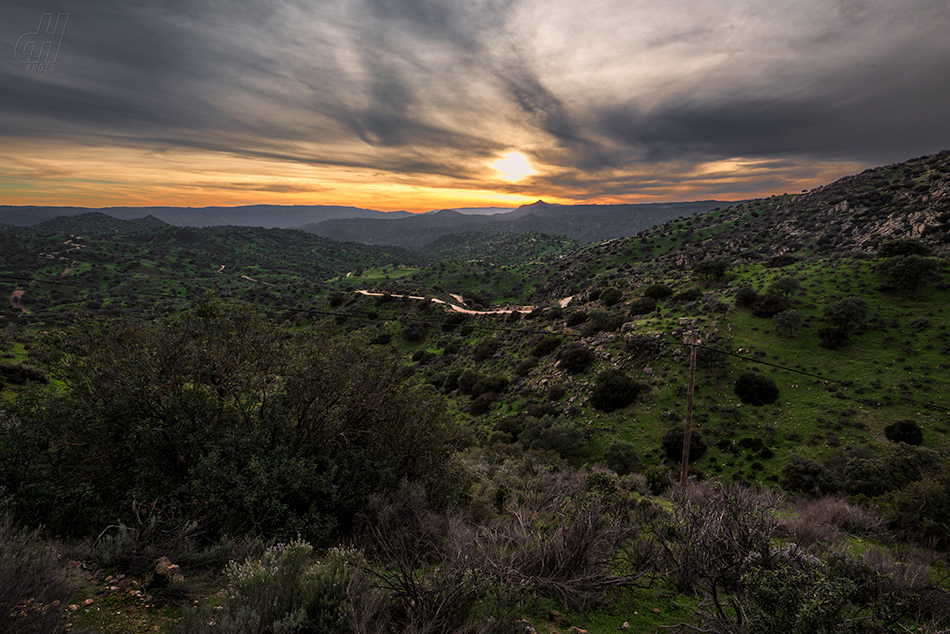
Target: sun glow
513	166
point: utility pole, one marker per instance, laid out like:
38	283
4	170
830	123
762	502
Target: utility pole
687	429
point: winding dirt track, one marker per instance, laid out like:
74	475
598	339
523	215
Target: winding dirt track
460	309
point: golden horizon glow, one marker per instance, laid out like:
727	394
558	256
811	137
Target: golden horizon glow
63	174
513	166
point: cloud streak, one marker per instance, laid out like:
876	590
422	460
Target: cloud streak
610	101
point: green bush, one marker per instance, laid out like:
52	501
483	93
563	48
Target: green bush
552	434
801	475
287	590
227	420
614	389
746	297
769	305
576	358
622	457
546	346
576	318
902	247
642	306
693	294
905	431
658	291
672	445
610	296
753	388
495	384
31	579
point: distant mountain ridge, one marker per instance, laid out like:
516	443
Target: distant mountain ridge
585	223
267	216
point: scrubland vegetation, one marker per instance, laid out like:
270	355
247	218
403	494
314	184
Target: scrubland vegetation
308	458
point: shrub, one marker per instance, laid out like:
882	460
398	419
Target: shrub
481	403
285	591
576	318
552	434
769	305
243	425
642	306
891	469
788	321
622	457
546	346
905	431
454	320
485	349
672	445
523	368
495	383
902	247
693	294
906	273
614	389
576	358
610	296
467	380
753	388
712	269
843	319
31	579
658	291
746	297
414	332
801	475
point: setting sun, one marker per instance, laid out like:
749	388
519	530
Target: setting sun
513	166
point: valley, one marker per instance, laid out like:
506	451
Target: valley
545	376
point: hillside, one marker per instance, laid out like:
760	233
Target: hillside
267	216
493	422
584	223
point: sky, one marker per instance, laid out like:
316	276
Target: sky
425	104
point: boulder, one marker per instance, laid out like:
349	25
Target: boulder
161	573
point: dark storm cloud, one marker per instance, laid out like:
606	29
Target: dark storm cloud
425	86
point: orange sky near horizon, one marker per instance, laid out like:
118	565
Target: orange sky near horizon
437	104
59	174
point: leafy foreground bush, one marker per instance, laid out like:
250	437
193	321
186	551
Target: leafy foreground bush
33	586
226	421
719	544
289	591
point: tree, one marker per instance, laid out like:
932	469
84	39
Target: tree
576	358
905	431
843	319
785	286
642	306
902	247
622	457
226	419
769	305
672	444
610	296
788	321
753	388
614	389
712	269
906	273
658	291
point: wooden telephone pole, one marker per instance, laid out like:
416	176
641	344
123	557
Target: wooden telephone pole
687	429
